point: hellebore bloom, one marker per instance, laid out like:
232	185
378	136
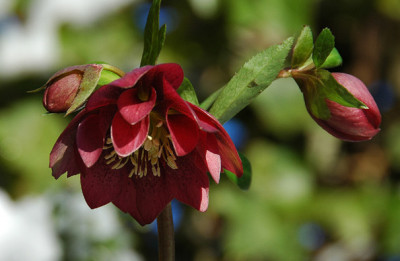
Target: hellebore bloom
352	124
63	87
138	144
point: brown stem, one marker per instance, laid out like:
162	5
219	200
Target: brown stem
166	242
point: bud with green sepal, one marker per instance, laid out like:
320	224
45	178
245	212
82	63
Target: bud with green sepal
68	89
339	103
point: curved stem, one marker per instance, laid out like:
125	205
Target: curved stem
166	242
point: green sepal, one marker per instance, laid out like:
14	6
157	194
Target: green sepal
333	60
244	181
255	75
88	85
319	85
187	92
338	93
153	36
107	77
323	46
303	47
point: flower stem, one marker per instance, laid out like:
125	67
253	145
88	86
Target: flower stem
166	243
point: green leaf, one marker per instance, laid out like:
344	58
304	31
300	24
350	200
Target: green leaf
161	39
209	101
88	85
323	46
187	92
153	37
303	48
244	181
334	59
255	75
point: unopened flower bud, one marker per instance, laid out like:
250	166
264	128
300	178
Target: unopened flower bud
347	123
61	90
68	89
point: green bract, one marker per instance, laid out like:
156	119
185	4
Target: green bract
334	59
244	181
303	48
187	92
324	44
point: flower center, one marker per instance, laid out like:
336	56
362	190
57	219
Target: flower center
157	147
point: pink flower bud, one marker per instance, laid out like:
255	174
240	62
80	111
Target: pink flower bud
61	92
63	87
352	124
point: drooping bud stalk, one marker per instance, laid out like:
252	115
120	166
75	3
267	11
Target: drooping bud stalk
68	89
347	123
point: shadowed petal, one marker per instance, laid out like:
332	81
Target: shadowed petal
90	139
189	183
132	108
63	156
184	133
152	195
125	200
100	184
128	138
104	96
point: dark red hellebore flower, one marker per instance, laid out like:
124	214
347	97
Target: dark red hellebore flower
138	144
352	124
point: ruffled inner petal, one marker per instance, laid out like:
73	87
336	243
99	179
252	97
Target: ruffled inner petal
127	138
184	133
132	108
104	96
172	72
132	77
229	157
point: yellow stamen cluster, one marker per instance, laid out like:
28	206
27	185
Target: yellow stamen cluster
156	147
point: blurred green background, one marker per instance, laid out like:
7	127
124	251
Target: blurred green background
312	197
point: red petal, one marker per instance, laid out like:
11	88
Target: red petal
227	150
126	198
184	133
131	78
171	72
213	159
152	195
100	184
204	119
63	156
132	108
104	96
128	138
90	139
189	184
